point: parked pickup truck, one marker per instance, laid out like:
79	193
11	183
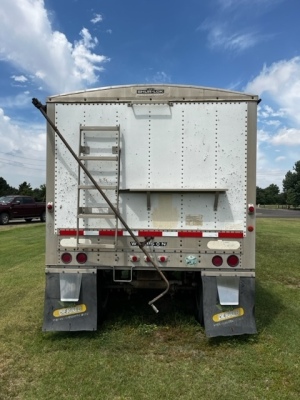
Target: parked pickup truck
13	207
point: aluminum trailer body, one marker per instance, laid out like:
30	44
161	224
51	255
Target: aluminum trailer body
178	164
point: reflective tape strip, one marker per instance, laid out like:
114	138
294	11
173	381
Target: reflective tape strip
152	233
110	232
125	233
211	234
70	232
234	235
190	234
174	234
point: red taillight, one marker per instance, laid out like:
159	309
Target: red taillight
147	259
251	208
163	258
217	261
134	258
233	260
81	258
66	258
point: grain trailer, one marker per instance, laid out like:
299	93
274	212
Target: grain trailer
151	187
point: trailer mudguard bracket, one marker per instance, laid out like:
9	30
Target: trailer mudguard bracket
78	315
228	320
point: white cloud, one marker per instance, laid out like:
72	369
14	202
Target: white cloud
278	84
236	36
270	175
159	77
263	136
221	36
21	100
97	18
22	155
287	137
281	82
233	4
280	158
19	78
28	42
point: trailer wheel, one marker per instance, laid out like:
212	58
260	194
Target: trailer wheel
4	219
43	216
199	315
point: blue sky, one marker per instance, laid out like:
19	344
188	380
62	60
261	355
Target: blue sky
49	47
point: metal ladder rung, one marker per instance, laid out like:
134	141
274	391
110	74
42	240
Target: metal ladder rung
100	128
96	215
92	187
101	158
108	159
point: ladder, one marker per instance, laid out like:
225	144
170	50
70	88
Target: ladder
99	150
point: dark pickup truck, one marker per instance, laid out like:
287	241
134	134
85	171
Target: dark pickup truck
13	207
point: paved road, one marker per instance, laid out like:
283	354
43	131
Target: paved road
278	213
19	223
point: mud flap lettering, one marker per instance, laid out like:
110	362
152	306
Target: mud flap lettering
228	320
60	315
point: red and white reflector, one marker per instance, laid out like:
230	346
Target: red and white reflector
151	233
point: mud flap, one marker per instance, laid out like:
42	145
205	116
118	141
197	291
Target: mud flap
228	320
80	315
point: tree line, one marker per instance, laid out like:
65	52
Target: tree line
270	195
24	189
291	190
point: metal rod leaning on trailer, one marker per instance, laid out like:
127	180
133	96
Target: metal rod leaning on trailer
141	245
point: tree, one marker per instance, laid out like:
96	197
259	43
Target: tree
260	196
271	194
25	189
291	185
5	189
40	194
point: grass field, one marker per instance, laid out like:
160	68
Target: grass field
140	355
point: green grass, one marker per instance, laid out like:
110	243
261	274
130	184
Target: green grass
137	354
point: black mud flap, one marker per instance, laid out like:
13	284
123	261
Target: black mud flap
227	320
67	316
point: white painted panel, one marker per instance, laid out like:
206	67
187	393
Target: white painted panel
68	119
164	160
232	165
194	146
199	145
134	147
133	207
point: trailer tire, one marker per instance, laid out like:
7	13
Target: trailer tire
199	314
4	219
43	216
